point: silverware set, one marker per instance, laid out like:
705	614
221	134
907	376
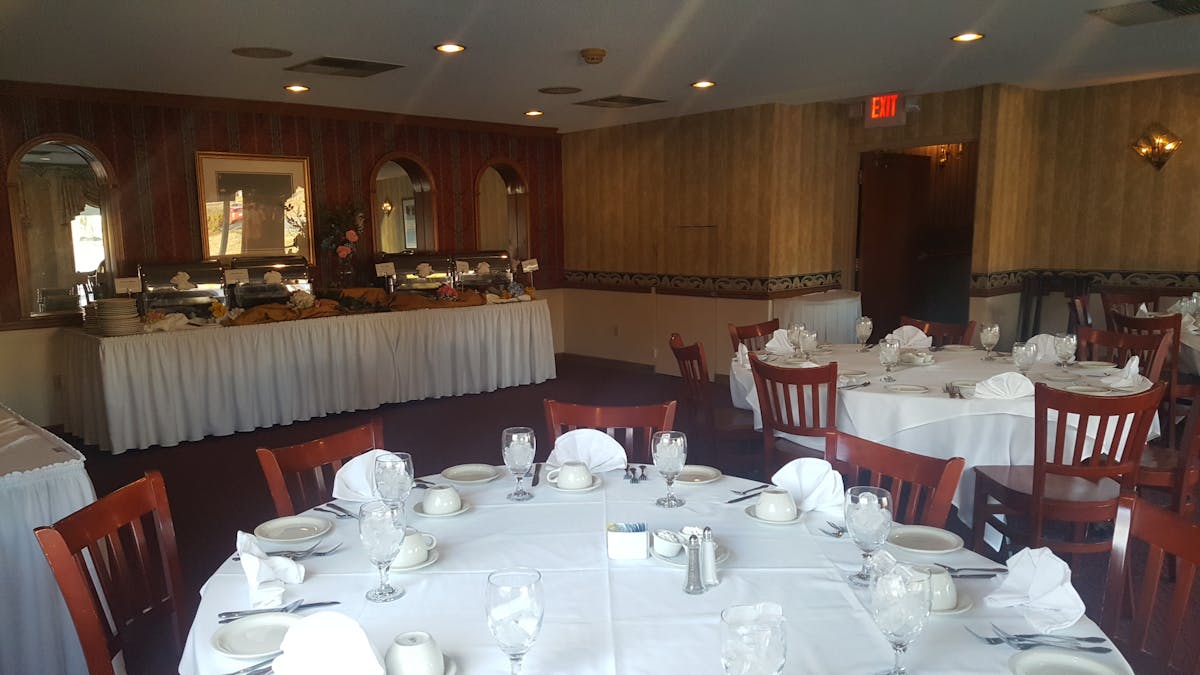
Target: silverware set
860	385
293	606
310	552
260	668
836	531
336	510
749	493
1024	641
631	474
952	391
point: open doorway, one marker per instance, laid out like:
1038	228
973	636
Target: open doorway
916	217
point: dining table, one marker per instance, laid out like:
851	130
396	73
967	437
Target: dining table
629	616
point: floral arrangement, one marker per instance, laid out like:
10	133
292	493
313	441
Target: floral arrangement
447	292
217	309
301	300
344	227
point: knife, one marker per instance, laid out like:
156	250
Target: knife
537	475
250	612
742	499
335	507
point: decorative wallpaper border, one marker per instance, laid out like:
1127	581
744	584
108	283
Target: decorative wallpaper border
763	287
995	283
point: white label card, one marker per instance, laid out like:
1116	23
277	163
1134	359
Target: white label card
128	284
530	265
237	276
386	269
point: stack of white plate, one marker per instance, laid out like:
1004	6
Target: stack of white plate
90	318
117	316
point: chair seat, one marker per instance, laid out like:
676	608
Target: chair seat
1017	482
733	419
793	450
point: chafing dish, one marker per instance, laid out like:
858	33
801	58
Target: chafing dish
186	288
483	269
422	271
268	279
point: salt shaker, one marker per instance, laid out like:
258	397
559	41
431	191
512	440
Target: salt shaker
708	559
694	585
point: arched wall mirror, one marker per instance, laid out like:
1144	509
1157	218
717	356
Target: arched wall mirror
503	208
402	195
65	237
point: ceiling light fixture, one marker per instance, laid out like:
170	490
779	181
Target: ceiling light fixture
534	113
560	90
296	88
967	37
262	52
704	84
450	48
1156	145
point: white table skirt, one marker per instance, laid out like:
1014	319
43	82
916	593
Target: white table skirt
42	479
166	388
630	616
831	313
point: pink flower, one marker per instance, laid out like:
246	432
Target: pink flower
351	236
343	251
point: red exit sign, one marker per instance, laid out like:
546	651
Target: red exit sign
885	110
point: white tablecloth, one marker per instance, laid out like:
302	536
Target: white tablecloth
631	616
42	479
166	388
1189	352
831	313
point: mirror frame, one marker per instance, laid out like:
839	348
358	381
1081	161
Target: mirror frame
517	188
424	192
208	165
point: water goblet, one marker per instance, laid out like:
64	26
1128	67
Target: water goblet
381	528
889	357
519	446
868	512
899	602
393	478
669	449
1024	356
795	334
1065	345
808	343
514	606
862	330
754	639
989	336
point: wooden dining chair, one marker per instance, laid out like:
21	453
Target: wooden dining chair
1105	345
755	336
632	426
1126	302
720	423
1169	325
943	333
921	486
301	476
1074	480
1078	315
798	401
1175	470
1151	631
117	566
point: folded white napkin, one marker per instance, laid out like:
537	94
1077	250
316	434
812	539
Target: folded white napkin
1127	378
743	356
595	448
1040	584
327	642
355	481
1187	322
1143	310
1045	347
779	344
910	337
173	321
266	575
812	483
1004	386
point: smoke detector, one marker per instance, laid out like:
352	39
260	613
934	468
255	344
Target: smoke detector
592	55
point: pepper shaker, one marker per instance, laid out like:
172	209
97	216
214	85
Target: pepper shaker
708	560
694	585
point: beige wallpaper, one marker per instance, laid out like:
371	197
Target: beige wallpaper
493	213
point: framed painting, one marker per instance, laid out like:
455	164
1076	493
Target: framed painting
253	205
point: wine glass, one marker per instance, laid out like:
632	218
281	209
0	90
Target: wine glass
518	444
862	330
989	335
889	356
514	611
1024	356
670	452
868	522
393	478
754	639
808	343
795	335
1065	345
381	528
899	602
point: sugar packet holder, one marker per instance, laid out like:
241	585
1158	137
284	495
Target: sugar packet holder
628	541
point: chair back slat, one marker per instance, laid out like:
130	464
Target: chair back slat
943	333
632	426
1126	302
755	336
301	476
1103	345
1160	326
801	401
697	391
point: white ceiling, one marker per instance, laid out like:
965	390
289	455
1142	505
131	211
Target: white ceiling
788	51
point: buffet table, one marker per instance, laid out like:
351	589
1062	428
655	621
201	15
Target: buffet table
42	479
831	313
166	388
631	617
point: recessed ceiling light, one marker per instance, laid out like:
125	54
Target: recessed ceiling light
296	88
45	159
704	84
262	52
560	90
967	37
534	113
450	48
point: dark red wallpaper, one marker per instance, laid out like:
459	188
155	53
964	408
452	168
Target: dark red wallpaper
151	142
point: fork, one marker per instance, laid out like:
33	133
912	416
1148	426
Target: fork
956	570
286	554
747	491
316	554
840	529
1060	641
837	534
336	514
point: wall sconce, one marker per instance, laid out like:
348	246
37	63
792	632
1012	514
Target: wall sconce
1157	144
386	207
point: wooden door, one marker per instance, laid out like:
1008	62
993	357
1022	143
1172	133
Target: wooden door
892	202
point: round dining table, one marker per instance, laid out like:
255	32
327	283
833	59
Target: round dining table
631	617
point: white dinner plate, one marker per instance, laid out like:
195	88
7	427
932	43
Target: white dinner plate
750	511
906	388
419	509
433	557
1050	661
293	529
958	348
1059	376
468	474
1087	389
970	384
596	482
1095	364
680	559
852	373
918	364
696	474
964	603
924	539
253	637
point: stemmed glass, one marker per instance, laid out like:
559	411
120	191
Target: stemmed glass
808	343
899	604
1065	345
754	639
795	335
381	528
889	356
393	478
514	611
868	521
1024	356
862	330
670	452
989	335
519	446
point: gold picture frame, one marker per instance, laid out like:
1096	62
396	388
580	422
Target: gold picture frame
254	205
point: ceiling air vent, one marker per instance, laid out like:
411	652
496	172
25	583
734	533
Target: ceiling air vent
619	101
330	65
1138	13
